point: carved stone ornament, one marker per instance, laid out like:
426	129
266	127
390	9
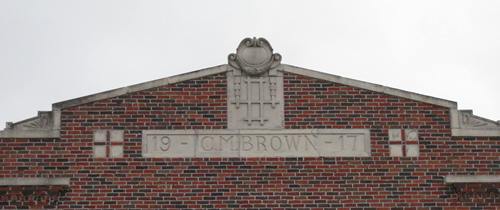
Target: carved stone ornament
470	192
255	87
31	197
254	56
469	120
43	121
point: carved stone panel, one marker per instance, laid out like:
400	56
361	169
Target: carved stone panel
255	87
256	143
468	120
255	102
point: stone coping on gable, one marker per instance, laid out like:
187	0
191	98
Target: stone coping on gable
284	67
370	86
142	86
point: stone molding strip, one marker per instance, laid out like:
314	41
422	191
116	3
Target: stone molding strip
474	132
370	86
29	134
33	181
451	179
142	86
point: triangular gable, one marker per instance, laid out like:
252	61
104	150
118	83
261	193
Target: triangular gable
47	124
225	68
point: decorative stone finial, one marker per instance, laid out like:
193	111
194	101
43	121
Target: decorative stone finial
254	56
8	125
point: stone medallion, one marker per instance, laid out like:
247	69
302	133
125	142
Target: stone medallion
254	56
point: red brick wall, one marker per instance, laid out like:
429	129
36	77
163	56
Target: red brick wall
378	181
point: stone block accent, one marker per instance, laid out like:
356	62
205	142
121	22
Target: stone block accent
116	135
99	151
411	135
403	146
412	150
395	135
116	151
108	143
396	150
100	136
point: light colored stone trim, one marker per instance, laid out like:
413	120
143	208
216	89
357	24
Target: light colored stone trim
142	86
472	179
241	111
21	181
44	125
474	132
260	131
225	67
56	115
29	134
454	118
370	86
257	143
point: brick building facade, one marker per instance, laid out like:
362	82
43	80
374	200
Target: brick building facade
252	134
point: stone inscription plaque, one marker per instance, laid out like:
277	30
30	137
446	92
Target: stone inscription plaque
256	143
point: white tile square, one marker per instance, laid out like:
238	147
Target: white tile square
99	151
412	150
395	135
116	135
100	135
116	151
396	150
411	134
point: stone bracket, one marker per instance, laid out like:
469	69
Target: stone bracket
33	197
34	193
475	188
468	192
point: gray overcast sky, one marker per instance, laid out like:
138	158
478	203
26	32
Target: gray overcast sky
52	51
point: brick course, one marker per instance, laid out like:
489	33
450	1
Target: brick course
376	182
